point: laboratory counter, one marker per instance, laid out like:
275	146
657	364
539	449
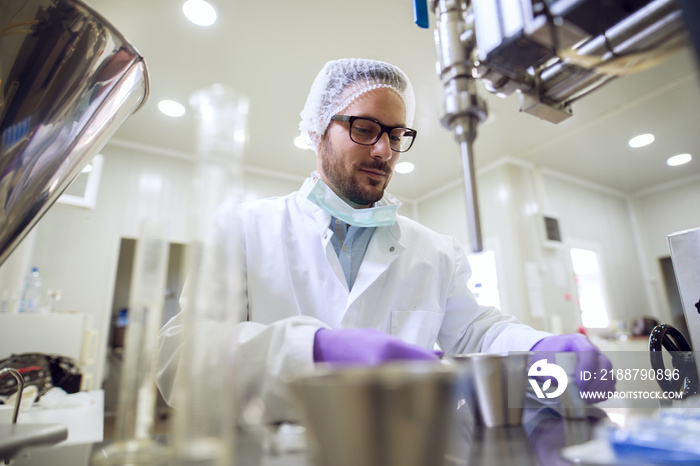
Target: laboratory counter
544	439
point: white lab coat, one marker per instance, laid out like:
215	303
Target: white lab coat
411	284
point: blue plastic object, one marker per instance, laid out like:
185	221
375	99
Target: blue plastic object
420	13
664	440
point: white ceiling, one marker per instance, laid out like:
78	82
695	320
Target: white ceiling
272	50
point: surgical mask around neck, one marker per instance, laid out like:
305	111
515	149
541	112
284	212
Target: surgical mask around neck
324	197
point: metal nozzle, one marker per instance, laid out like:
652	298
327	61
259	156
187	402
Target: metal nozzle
464	109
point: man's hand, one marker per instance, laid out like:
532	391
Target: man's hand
364	346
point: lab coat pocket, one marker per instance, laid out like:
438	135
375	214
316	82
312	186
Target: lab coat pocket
417	327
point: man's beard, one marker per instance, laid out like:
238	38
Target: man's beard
342	180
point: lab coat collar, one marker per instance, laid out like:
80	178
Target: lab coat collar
321	217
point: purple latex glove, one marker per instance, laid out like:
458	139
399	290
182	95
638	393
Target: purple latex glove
364	346
589	358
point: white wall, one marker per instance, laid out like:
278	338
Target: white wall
445	212
668	210
600	220
536	281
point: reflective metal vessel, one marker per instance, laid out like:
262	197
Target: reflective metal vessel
396	414
68	79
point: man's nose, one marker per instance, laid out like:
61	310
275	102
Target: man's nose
382	148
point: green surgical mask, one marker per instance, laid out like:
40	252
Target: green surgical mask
326	199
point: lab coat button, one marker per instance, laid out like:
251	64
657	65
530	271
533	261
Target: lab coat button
391	249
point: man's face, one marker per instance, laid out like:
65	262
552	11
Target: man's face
359	174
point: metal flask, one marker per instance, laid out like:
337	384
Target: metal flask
68	79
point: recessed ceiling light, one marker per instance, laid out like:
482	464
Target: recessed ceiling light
199	12
171	108
404	167
679	159
300	142
641	140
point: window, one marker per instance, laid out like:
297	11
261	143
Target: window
590	288
484	280
82	192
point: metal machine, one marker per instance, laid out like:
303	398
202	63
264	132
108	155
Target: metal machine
685	254
550	52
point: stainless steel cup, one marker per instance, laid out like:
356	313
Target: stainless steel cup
494	386
394	414
572	406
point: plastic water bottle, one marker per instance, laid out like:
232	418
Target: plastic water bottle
32	292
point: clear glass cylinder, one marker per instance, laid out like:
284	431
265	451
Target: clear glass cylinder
204	421
133	439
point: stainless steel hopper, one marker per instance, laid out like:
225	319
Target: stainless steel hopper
68	79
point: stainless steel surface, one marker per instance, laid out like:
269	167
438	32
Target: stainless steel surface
396	414
639	40
552	53
68	79
495	386
20	390
554	57
572	405
463	110
538	441
16	437
473	216
685	254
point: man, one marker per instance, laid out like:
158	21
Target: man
332	273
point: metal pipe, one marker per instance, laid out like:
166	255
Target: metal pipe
473	217
577	78
644	19
649	27
464	109
20	388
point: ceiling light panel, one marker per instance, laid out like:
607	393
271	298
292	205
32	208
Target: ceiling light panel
680	159
171	108
641	140
199	12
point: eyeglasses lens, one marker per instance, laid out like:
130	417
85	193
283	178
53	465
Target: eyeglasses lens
368	132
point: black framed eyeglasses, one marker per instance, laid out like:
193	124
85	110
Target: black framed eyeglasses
367	132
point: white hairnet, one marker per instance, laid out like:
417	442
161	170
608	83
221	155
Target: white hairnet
339	83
